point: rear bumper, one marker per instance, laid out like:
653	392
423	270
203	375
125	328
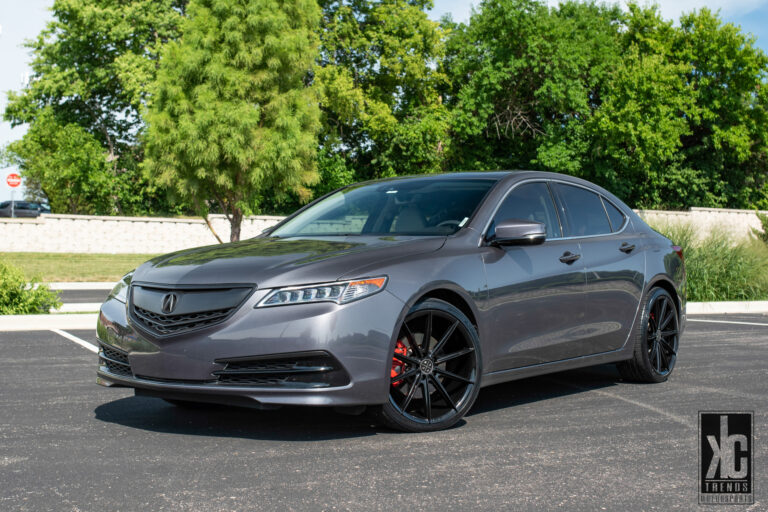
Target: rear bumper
358	336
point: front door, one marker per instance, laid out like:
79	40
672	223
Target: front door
536	293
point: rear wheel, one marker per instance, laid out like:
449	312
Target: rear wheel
656	340
436	368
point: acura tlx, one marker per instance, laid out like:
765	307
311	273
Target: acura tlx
403	296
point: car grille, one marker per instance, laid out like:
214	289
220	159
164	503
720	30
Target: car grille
177	324
192	312
114	361
299	370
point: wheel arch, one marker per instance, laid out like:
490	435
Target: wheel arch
664	282
451	293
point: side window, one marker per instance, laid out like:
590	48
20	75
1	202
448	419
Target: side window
614	214
584	211
530	201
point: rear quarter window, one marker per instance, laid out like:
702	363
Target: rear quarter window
615	215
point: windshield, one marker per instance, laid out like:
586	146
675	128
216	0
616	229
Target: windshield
412	206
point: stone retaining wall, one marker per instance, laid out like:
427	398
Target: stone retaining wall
143	235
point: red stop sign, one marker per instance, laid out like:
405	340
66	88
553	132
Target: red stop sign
13	180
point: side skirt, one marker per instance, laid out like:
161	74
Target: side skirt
534	370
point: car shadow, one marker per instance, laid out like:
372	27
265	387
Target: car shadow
284	424
306	424
545	387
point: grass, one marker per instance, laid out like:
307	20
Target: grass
720	269
73	267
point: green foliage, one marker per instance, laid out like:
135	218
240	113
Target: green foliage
18	297
380	78
762	234
665	116
719	269
231	119
525	77
91	67
67	164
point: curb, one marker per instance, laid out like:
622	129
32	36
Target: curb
82	286
78	307
47	322
727	307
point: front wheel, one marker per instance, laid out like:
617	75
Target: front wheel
436	368
656	340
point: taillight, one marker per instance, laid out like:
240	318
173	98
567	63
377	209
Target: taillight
679	251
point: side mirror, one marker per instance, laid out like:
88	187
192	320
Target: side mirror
519	232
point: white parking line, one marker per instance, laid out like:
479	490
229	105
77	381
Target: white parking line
673	417
82	343
725	322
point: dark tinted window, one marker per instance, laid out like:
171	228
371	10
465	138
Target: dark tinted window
412	206
22	206
584	211
5	204
530	201
614	214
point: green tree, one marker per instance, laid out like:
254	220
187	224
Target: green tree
525	75
635	134
92	66
231	119
67	164
728	142
380	76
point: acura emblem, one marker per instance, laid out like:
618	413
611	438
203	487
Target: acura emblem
169	303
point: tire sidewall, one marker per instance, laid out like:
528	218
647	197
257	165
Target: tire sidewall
393	416
644	355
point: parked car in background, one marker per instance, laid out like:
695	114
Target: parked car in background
42	207
20	209
406	295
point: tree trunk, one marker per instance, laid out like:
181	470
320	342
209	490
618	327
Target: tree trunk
235	222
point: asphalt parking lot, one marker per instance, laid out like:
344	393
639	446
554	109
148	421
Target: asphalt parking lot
581	440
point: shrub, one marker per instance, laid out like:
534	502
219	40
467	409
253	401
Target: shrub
719	268
18	297
762	235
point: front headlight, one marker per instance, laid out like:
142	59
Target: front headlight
120	291
339	292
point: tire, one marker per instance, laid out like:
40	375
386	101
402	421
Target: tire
448	368
656	340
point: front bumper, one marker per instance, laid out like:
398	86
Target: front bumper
359	336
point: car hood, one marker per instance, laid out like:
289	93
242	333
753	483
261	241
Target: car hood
272	262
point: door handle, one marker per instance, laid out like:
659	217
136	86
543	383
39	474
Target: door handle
627	248
569	257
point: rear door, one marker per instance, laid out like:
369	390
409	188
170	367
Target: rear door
615	266
536	293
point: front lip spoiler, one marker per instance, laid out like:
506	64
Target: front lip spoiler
112	380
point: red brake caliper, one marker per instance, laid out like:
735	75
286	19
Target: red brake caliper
397	365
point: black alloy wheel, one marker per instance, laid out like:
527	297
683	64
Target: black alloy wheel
657	341
436	368
662	335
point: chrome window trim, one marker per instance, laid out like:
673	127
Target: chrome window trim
484	232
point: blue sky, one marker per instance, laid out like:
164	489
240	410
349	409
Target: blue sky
24	19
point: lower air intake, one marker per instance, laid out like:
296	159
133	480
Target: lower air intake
316	369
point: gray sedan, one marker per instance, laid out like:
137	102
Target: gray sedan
404	297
